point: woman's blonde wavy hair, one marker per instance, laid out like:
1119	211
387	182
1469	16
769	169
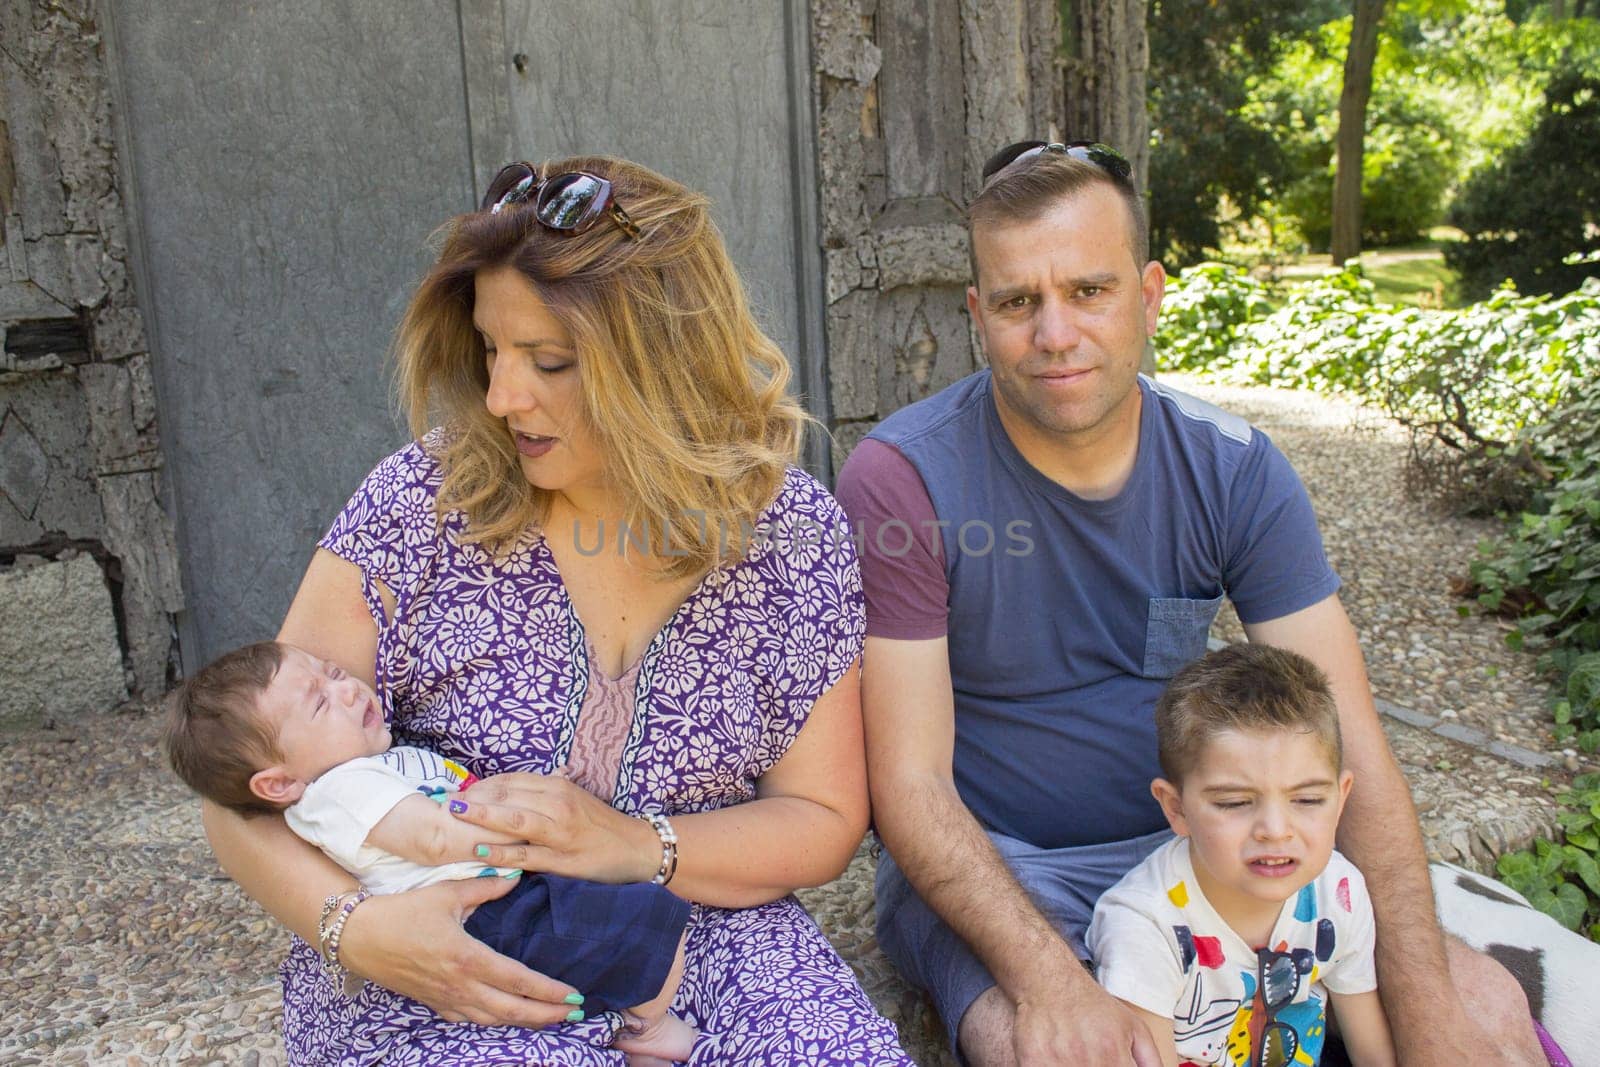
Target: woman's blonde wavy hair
685	394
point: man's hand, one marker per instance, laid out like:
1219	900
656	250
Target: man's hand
1478	1014
1060	1020
1468	1042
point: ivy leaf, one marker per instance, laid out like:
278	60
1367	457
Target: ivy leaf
1519	870
1586	840
1568	906
1585	867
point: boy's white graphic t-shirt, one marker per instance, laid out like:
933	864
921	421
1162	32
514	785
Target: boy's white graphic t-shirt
338	810
1159	944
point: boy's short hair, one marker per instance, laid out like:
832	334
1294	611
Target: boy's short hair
216	737
1246	688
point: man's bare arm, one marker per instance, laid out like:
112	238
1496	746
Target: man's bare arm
909	711
1380	834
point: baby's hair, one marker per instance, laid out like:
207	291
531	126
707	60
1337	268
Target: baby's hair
1248	688
216	736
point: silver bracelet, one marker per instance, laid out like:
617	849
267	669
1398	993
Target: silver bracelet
330	930
669	848
331	902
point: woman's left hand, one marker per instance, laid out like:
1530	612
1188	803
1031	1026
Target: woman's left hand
568	830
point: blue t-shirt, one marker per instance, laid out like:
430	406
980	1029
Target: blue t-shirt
1066	616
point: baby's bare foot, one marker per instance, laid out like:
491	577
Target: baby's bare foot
655	1043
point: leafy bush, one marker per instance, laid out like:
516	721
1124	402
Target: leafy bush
1465	381
1563	880
1202	312
1534	204
1546	570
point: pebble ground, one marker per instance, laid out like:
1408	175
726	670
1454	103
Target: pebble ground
121	942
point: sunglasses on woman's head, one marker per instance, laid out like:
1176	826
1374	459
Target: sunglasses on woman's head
570	202
1103	156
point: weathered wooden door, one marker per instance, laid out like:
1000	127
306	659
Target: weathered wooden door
713	93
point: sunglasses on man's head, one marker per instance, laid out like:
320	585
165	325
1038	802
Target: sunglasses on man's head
1103	156
570	202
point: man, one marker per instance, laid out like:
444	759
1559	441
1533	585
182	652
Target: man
1046	542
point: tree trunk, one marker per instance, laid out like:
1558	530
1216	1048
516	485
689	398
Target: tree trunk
1104	85
911	97
1108	56
1351	141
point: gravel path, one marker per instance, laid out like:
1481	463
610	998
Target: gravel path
124	944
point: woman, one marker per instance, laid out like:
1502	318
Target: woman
601	585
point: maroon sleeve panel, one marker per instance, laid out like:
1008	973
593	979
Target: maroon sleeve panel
902	551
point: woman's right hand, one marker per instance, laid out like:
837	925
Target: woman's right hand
413	944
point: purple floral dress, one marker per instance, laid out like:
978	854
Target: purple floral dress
485	661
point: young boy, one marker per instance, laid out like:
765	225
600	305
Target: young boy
270	728
1233	941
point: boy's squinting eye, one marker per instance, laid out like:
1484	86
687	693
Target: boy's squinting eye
1311	802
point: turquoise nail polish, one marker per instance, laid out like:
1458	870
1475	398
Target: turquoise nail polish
574	998
575	1015
488	872
482	851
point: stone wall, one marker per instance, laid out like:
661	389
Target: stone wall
79	456
912	96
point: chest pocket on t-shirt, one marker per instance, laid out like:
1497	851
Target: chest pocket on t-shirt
1175	633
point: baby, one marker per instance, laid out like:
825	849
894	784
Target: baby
1233	941
269	728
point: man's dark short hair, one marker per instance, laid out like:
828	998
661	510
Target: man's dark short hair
216	737
1247	688
1028	188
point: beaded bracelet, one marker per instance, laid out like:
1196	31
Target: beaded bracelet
669	848
328	905
330	929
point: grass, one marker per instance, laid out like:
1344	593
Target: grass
1417	282
1414	274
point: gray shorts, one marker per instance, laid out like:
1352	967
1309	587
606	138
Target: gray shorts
1064	884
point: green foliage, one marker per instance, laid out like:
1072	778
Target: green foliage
1408	164
1563	880
1202	313
1206	148
1469	379
1243	102
1546	571
1539	201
